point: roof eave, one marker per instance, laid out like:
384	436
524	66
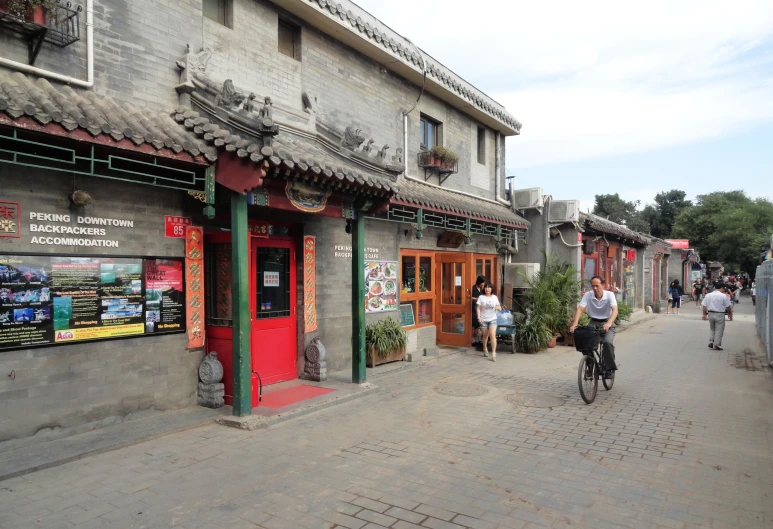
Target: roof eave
338	29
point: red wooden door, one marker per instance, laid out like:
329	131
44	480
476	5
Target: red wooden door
454	317
273	308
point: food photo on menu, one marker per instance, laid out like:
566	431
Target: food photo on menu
381	285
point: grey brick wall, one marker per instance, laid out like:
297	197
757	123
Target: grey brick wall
60	390
137	45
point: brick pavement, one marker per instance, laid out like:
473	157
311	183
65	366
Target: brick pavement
681	442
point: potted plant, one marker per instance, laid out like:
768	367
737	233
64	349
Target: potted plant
569	338
533	335
442	157
384	342
624	312
32	10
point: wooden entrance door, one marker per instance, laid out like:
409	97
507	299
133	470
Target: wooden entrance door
273	308
453	284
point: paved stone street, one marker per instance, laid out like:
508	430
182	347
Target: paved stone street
683	441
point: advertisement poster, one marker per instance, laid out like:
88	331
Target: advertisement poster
47	300
380	286
164	295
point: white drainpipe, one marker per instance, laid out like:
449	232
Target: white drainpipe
26	68
498	170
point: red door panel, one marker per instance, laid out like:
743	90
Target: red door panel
273	324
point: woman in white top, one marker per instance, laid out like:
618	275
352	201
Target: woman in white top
488	305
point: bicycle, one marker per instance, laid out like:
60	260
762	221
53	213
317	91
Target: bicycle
588	342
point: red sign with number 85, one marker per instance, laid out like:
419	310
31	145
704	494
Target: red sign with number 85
175	226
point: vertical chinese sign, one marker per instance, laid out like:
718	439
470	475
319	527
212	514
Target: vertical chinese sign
310	283
194	266
10	220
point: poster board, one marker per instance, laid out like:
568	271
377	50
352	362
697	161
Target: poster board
381	286
55	299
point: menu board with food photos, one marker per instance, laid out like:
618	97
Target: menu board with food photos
381	286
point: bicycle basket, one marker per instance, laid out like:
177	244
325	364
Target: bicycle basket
586	338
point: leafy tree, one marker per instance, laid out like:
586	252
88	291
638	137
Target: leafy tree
616	209
728	227
660	217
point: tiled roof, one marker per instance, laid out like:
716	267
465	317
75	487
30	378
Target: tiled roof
422	195
288	151
36	98
607	226
373	29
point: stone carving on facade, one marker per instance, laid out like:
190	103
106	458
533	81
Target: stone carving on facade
310	102
193	63
248	105
265	112
352	138
316	367
368	147
211	390
229	98
381	156
397	159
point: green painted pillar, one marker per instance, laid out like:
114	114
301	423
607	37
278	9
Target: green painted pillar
242	403
358	298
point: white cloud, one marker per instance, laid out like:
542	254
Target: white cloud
600	78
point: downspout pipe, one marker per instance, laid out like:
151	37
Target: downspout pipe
89	83
498	169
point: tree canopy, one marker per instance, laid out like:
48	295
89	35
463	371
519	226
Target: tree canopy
621	211
660	216
728	227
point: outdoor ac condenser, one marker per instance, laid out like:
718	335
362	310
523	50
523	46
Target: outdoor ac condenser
528	198
564	211
516	273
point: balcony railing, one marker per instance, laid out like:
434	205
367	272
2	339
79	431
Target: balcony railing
432	164
60	27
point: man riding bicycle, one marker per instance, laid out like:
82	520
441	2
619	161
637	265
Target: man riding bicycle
601	307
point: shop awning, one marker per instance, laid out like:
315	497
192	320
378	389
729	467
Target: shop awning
602	225
416	194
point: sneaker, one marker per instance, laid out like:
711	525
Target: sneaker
711	345
493	357
485	353
718	348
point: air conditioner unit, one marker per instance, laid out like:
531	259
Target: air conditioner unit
528	198
564	211
516	273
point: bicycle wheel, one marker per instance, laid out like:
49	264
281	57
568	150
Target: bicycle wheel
587	378
609	382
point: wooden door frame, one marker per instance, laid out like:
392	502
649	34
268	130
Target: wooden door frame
461	340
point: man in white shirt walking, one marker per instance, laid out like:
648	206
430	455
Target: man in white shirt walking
714	306
601	307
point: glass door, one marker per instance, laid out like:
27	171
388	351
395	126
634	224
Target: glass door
454	299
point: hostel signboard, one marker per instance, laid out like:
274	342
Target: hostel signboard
46	300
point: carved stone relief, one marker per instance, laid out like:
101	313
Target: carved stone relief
352	138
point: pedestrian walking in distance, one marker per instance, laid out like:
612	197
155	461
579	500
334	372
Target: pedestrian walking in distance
715	305
675	293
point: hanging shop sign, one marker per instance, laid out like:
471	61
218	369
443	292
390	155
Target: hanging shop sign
10	217
194	292
310	283
174	227
380	286
679	244
47	300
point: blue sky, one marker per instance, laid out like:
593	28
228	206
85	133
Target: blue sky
615	96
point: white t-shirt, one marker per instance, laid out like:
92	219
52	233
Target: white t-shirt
716	301
599	309
488	308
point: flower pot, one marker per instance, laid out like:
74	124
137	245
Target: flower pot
569	339
553	341
374	358
36	14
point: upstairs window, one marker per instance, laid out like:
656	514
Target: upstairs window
219	11
482	145
429	133
289	40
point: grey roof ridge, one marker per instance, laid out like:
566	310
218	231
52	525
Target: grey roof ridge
631	233
460	193
404	51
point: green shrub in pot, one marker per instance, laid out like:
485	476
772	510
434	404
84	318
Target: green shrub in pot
624	312
533	335
384	337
